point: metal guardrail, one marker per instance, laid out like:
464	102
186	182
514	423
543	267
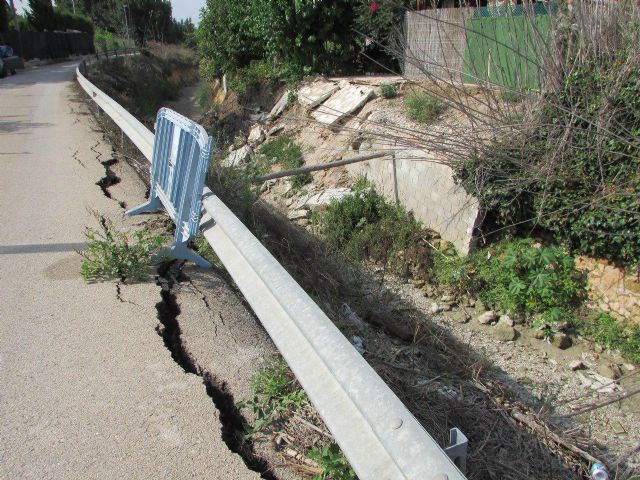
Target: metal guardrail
379	436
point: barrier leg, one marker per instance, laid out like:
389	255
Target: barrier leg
180	251
153	205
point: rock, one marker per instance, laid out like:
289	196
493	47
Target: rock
435	308
342	103
480	307
428	290
610	371
447	307
576	365
280	106
561	341
258	117
459	316
598	348
313	94
352	317
487	317
519	318
629	367
256	135
504	333
561	326
239	156
540	334
418	283
618	429
358	343
275	130
448	298
267	185
298	214
506	320
324	198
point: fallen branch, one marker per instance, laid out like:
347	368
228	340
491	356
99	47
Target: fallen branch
324	166
544	431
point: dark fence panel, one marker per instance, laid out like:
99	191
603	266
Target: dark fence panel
30	45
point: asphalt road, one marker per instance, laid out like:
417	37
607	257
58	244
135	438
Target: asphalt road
87	388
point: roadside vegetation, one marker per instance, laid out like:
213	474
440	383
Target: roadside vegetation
277	404
113	254
423	107
281	151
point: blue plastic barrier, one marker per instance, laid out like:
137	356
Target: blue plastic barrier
181	153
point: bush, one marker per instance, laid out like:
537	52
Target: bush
607	331
389	90
333	463
422	107
517	277
112	254
366	226
571	168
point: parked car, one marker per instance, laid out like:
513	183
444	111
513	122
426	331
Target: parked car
8	61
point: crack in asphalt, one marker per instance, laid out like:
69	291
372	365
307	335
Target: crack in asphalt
232	420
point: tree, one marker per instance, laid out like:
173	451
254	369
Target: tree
5	16
41	15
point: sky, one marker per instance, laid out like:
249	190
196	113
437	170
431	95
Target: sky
181	8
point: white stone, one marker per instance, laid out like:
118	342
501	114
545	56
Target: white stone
239	156
342	103
506	320
313	94
298	214
435	308
324	198
487	317
275	130
256	135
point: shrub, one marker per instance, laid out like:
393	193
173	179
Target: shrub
607	331
282	151
389	90
366	226
422	107
112	254
517	277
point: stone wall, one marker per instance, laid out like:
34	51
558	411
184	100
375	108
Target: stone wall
611	289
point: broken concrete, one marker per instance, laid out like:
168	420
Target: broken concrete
312	95
342	103
280	106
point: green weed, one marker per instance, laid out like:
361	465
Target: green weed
275	391
333	463
423	107
389	90
112	254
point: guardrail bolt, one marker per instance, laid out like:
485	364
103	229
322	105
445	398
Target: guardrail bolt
396	423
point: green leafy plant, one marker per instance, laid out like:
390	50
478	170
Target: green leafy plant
389	90
423	107
517	276
333	463
113	254
275	391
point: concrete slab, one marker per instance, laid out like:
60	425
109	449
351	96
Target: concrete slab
313	94
342	103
